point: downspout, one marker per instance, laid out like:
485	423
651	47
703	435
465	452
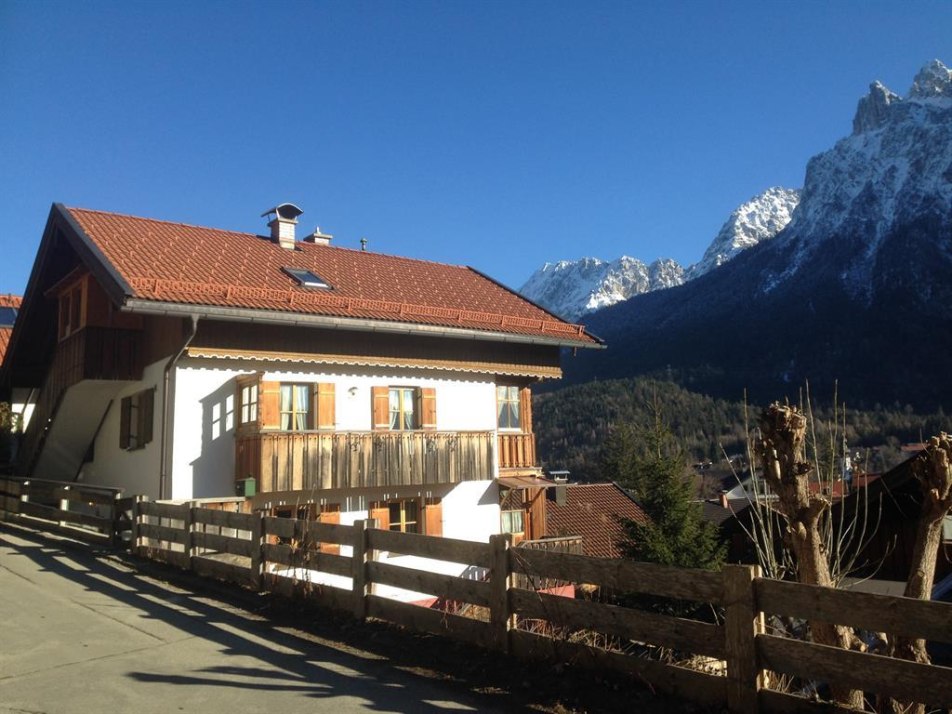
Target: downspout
167	410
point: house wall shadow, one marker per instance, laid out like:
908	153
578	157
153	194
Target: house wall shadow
213	472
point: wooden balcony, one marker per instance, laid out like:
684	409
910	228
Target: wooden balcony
305	461
95	353
517	450
89	353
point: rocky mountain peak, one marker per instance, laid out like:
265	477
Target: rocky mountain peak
872	109
933	80
760	218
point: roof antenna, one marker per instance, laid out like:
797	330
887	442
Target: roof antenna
363	244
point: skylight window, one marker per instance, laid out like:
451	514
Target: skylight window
7	316
307	278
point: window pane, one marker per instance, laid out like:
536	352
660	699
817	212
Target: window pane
300	397
411	510
396	522
408	406
286	397
512	522
514	416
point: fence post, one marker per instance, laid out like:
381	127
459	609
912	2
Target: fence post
743	623
500	576
188	523
359	565
64	506
257	551
137	517
24	495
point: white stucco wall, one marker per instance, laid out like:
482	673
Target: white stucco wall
206	402
471	511
463	402
203	447
136	471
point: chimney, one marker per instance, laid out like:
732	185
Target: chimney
318	238
282	223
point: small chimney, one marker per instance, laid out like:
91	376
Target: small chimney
318	238
282	223
363	244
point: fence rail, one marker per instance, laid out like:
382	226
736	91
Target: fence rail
349	566
96	514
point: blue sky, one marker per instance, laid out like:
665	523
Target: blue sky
493	134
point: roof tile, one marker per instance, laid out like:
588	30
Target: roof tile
592	511
174	262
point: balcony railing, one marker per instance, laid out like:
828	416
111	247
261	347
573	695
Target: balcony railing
516	450
90	353
296	461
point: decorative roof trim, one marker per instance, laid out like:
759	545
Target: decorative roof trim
515	370
292	297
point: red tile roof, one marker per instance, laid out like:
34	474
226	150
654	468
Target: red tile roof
592	511
6	330
5	333
173	262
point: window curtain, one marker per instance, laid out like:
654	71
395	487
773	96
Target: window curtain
301	396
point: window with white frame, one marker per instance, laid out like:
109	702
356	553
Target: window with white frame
295	407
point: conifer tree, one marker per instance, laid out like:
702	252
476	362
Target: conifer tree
649	462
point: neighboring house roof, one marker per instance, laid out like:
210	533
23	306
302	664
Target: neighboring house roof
9	305
167	263
592	511
718	512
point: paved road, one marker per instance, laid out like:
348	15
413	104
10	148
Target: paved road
84	634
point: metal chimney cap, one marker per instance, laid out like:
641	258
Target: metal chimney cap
285	211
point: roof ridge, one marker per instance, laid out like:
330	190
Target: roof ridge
304	245
161	220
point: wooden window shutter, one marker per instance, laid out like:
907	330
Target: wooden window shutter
125	416
324	405
428	408
269	404
381	407
146	406
525	409
433	517
381	511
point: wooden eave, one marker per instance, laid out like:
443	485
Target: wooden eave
509	369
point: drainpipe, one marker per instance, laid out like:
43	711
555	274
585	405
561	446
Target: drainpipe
167	409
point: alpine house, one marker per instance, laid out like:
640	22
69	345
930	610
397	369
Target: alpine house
180	362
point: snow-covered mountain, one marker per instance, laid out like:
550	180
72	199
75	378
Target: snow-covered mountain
895	167
575	288
856	288
759	219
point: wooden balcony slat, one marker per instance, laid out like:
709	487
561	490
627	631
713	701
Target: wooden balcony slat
295	461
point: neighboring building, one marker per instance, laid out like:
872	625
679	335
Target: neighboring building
592	511
179	361
9	306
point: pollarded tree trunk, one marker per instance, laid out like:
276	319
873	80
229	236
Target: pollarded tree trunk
782	453
933	469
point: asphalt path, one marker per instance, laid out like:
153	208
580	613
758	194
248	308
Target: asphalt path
86	634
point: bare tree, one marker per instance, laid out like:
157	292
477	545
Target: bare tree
781	449
933	469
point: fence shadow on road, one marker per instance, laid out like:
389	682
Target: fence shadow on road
296	664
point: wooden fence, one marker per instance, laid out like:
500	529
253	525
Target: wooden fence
732	661
97	514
